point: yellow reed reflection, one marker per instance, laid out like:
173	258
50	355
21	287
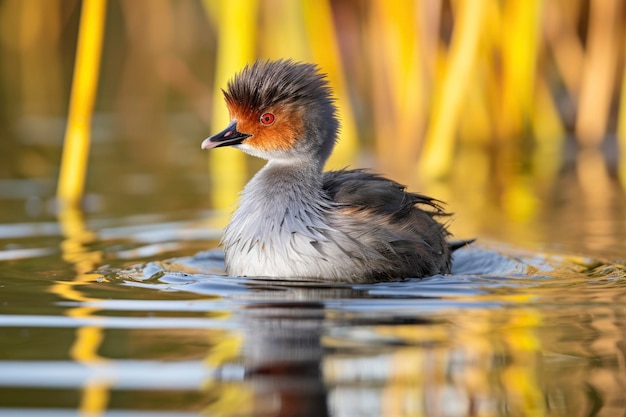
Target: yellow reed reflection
486	360
229	400
226	399
75	251
597	188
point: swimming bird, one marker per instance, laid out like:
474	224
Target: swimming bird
295	221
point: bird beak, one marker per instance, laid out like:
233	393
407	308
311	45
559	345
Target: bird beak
227	137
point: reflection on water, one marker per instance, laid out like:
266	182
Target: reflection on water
159	331
510	333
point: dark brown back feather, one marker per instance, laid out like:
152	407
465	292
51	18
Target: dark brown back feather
420	246
360	188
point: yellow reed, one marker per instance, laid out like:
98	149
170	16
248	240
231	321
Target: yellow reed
84	84
437	155
235	49
322	40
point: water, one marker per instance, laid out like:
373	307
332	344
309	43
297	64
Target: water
123	309
158	330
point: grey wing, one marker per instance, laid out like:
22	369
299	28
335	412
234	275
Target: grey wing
363	189
402	224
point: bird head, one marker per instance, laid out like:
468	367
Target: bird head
279	110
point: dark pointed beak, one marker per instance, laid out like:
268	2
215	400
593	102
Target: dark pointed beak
227	137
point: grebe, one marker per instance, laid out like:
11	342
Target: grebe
295	221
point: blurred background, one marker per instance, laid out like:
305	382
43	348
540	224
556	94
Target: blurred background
510	111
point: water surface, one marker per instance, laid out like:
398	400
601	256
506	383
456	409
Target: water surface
159	330
122	309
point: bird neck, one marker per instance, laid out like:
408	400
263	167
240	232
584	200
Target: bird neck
280	176
280	185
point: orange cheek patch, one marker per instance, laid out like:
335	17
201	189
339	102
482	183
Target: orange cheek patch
281	135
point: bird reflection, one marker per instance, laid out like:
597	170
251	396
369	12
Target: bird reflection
282	355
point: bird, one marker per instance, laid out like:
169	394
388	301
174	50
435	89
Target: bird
294	221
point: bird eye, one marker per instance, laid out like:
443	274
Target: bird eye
267	119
